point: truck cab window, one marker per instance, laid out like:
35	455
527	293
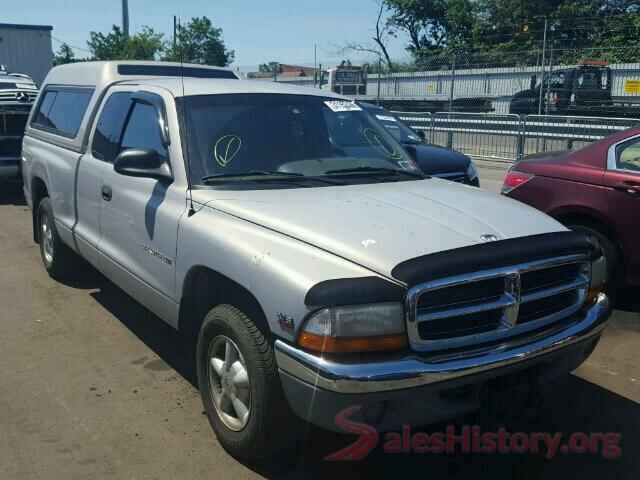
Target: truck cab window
143	130
61	110
106	140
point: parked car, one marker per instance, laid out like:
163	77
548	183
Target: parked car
594	190
293	240
433	160
17	94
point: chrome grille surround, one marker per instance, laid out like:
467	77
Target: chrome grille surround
507	303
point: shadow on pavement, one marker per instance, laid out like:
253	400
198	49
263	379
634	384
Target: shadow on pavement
160	337
628	299
570	405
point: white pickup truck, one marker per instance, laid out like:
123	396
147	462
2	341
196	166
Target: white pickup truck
294	242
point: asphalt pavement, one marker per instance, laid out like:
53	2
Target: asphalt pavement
93	386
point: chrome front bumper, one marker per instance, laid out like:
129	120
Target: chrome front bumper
412	370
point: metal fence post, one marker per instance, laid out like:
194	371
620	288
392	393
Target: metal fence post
451	94
569	139
522	129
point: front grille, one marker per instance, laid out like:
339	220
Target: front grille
12	96
482	307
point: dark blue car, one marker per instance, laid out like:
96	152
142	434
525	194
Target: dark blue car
433	160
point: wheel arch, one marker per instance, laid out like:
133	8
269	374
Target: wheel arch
589	217
203	289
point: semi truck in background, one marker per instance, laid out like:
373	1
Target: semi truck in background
345	79
18	92
581	91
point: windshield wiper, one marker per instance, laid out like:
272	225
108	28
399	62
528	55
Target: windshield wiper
250	173
264	175
374	171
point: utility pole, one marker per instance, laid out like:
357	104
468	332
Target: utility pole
379	78
175	31
315	63
125	18
544	59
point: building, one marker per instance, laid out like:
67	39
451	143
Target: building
285	72
26	49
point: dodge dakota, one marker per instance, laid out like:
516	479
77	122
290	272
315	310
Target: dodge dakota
295	244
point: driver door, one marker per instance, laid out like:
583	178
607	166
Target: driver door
140	216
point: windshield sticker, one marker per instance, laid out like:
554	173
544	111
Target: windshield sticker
226	149
342	106
386	118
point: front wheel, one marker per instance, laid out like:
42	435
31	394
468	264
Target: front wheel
240	386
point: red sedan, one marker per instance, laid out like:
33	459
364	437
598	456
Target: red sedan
596	190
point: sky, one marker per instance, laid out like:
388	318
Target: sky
258	30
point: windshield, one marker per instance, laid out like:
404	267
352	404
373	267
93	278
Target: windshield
396	127
256	137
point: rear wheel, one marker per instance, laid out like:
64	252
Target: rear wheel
240	387
57	258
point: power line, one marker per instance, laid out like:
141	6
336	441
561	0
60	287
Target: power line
60	41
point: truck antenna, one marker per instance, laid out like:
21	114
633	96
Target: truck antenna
185	120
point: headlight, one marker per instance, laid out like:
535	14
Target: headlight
360	328
472	173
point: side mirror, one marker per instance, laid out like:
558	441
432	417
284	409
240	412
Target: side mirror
411	150
142	162
422	134
533	82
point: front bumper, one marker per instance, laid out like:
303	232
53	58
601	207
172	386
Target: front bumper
415	389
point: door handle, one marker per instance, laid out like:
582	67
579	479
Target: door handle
107	193
628	188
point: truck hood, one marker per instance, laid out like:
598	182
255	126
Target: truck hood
380	225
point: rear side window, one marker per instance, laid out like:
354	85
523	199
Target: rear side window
61	110
106	140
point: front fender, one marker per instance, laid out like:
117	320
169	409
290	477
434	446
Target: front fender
278	270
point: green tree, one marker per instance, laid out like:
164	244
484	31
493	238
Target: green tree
200	42
64	55
435	27
268	67
115	45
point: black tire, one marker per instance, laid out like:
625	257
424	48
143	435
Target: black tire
57	258
609	250
271	428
